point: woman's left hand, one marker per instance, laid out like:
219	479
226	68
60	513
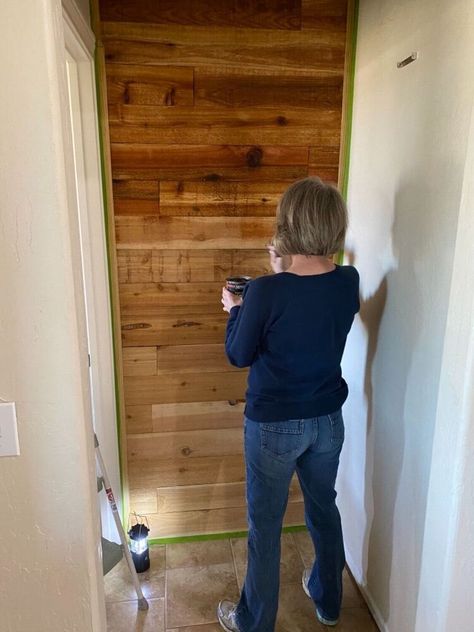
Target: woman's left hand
229	300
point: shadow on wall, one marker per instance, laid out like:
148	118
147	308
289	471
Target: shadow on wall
371	312
398	442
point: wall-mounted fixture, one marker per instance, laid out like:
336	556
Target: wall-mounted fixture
408	60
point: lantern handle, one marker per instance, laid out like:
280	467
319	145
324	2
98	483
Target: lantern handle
140	519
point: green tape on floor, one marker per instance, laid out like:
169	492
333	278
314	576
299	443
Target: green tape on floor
216	536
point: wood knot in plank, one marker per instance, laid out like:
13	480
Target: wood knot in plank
126	93
186	323
136	326
170	97
254	157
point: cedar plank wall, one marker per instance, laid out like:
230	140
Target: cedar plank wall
215	106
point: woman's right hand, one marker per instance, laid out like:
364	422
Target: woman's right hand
277	263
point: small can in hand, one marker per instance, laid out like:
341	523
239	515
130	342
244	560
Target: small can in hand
237	284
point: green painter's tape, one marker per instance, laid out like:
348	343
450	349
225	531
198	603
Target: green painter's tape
216	536
349	112
350	104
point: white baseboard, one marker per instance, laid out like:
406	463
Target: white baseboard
368	598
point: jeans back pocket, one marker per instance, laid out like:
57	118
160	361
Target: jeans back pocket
283	439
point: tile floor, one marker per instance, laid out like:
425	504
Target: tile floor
186	581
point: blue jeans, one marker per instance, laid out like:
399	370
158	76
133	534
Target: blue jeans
273	451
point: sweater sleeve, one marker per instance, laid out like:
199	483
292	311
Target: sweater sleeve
244	328
357	289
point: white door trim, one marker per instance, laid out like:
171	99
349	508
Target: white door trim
76	21
88	176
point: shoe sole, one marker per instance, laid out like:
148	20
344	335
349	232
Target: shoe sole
305	587
321	619
324	621
222	624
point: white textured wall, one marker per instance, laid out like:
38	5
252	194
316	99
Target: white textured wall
49	574
409	143
447	571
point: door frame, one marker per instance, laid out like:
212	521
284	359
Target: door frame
79	44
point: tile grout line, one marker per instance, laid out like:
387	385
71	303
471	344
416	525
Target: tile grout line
298	549
234	563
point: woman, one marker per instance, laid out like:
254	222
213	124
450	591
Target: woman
291	329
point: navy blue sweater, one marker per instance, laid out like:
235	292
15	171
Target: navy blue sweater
291	330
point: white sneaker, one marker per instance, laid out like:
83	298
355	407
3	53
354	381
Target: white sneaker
305	580
321	618
226	613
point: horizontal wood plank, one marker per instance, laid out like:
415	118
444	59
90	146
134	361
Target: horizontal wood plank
136	189
138	418
323	156
229	519
177	233
327	174
125	173
244	87
152	298
139	361
324	14
275	14
262	126
181	35
252	263
185	266
135	207
144	85
183	156
149	44
184	471
220	198
196	415
287	56
189	266
134	266
143	500
207	497
189	328
204	387
189	444
182	359
196	497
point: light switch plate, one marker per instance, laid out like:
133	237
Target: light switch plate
9	445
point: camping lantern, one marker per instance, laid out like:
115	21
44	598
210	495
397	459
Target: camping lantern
139	548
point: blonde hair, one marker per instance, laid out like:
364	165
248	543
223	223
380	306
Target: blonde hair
311	219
